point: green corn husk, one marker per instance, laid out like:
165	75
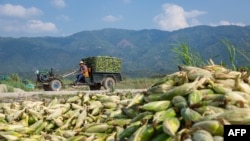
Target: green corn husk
202	135
196	72
179	102
218	138
98	128
53	102
206	91
117	114
94	104
162	115
152	97
161	88
36	124
78	138
118	130
243	94
105	98
213	97
216	103
171	126
147	134
237	116
130	112
156	106
119	122
140	116
40	128
233	97
181	90
241	85
137	135
111	137
137	99
109	105
129	130
207	110
81	118
11	135
190	115
219	88
212	126
194	97
162	137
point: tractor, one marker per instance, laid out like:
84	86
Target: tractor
104	71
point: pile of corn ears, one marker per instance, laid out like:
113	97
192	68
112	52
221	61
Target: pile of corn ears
192	104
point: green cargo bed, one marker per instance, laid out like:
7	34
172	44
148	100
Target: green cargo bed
103	64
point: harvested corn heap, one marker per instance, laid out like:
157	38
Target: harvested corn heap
192	104
103	63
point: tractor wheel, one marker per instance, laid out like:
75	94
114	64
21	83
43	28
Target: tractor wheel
55	85
109	83
95	87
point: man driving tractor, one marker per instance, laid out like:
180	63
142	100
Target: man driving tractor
83	72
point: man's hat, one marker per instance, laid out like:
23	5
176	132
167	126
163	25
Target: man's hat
81	62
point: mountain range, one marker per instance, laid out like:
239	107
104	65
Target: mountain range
143	52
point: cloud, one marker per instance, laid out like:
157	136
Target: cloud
9	10
111	18
224	22
39	26
174	17
31	26
58	3
16	20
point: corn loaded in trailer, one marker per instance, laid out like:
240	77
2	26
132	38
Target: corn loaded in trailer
104	71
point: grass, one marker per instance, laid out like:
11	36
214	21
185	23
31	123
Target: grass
138	83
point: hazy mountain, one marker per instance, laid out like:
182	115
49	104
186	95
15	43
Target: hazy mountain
143	52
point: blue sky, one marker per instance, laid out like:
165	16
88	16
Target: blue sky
33	18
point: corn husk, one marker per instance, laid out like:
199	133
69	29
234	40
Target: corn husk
212	126
179	102
156	106
202	135
171	125
194	97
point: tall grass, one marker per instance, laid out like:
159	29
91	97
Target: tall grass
186	55
14	81
231	52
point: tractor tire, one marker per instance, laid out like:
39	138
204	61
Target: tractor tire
109	83
55	85
95	87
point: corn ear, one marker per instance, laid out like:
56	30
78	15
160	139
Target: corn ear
202	135
190	115
179	102
126	133
171	126
162	115
98	128
156	106
194	97
212	126
162	137
236	116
